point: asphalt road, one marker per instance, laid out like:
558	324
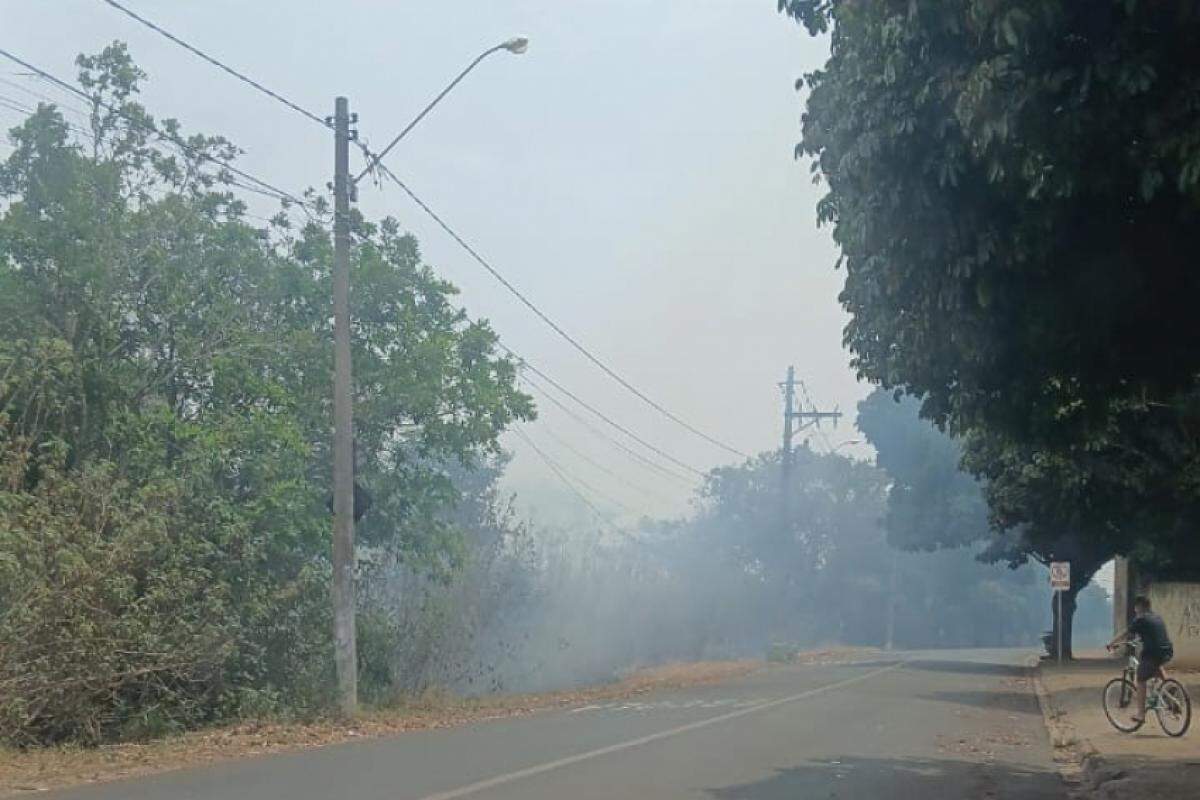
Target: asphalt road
960	724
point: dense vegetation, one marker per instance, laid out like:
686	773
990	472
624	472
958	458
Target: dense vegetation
164	415
1015	189
164	474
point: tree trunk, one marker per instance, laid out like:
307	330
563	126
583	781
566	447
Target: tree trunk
1086	555
1068	621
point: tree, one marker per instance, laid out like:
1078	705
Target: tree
931	503
834	509
164	425
1015	189
1029	505
831	574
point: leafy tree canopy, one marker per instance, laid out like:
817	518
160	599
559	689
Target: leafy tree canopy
1015	188
931	502
165	372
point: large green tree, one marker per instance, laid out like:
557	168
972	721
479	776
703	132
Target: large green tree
1015	189
932	503
164	424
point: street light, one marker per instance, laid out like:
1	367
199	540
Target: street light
516	45
343	589
846	443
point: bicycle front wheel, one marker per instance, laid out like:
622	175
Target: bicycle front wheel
1174	709
1120	705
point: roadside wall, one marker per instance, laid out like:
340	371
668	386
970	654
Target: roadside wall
1122	594
1179	606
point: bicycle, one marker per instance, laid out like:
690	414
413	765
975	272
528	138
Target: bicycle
1166	698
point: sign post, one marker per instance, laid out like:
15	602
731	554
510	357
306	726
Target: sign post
1060	581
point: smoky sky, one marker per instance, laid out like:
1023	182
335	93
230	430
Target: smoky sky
633	174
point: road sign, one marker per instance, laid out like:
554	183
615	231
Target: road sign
1060	581
1060	575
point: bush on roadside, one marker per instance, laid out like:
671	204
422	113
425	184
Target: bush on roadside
164	426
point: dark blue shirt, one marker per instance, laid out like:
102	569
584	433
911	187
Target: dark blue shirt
1151	629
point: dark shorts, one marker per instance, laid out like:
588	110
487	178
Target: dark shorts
1149	665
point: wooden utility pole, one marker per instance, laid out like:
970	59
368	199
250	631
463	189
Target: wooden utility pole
789	414
787	458
344	636
807	417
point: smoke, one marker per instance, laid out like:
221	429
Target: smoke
548	607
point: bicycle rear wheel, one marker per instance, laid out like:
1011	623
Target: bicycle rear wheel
1120	705
1174	709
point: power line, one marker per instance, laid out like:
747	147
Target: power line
553	325
597	465
42	96
13	104
374	161
605	496
18	107
218	64
658	468
561	474
154	130
10	104
87	133
829	448
600	414
273	191
525	364
592	409
279	193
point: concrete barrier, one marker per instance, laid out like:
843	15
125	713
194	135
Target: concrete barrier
1179	606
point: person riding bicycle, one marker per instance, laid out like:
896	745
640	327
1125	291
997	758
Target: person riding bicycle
1157	649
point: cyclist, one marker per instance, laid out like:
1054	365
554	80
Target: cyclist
1157	649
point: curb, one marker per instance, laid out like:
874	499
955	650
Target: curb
1077	759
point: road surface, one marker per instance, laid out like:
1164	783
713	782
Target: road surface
960	724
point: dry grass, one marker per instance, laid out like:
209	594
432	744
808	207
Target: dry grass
35	770
835	655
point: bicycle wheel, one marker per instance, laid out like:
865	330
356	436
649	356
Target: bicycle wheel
1174	709
1120	705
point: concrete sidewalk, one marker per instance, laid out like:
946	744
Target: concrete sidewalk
1102	762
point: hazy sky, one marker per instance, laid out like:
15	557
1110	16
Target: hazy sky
632	174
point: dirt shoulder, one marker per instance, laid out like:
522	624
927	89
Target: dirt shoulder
24	772
1099	761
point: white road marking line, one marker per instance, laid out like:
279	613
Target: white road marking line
585	708
667	705
528	772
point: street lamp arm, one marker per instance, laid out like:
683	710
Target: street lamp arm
375	159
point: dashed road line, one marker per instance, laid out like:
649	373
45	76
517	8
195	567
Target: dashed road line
529	772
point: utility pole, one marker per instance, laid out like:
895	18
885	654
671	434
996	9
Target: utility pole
806	418
789	414
349	501
343	595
